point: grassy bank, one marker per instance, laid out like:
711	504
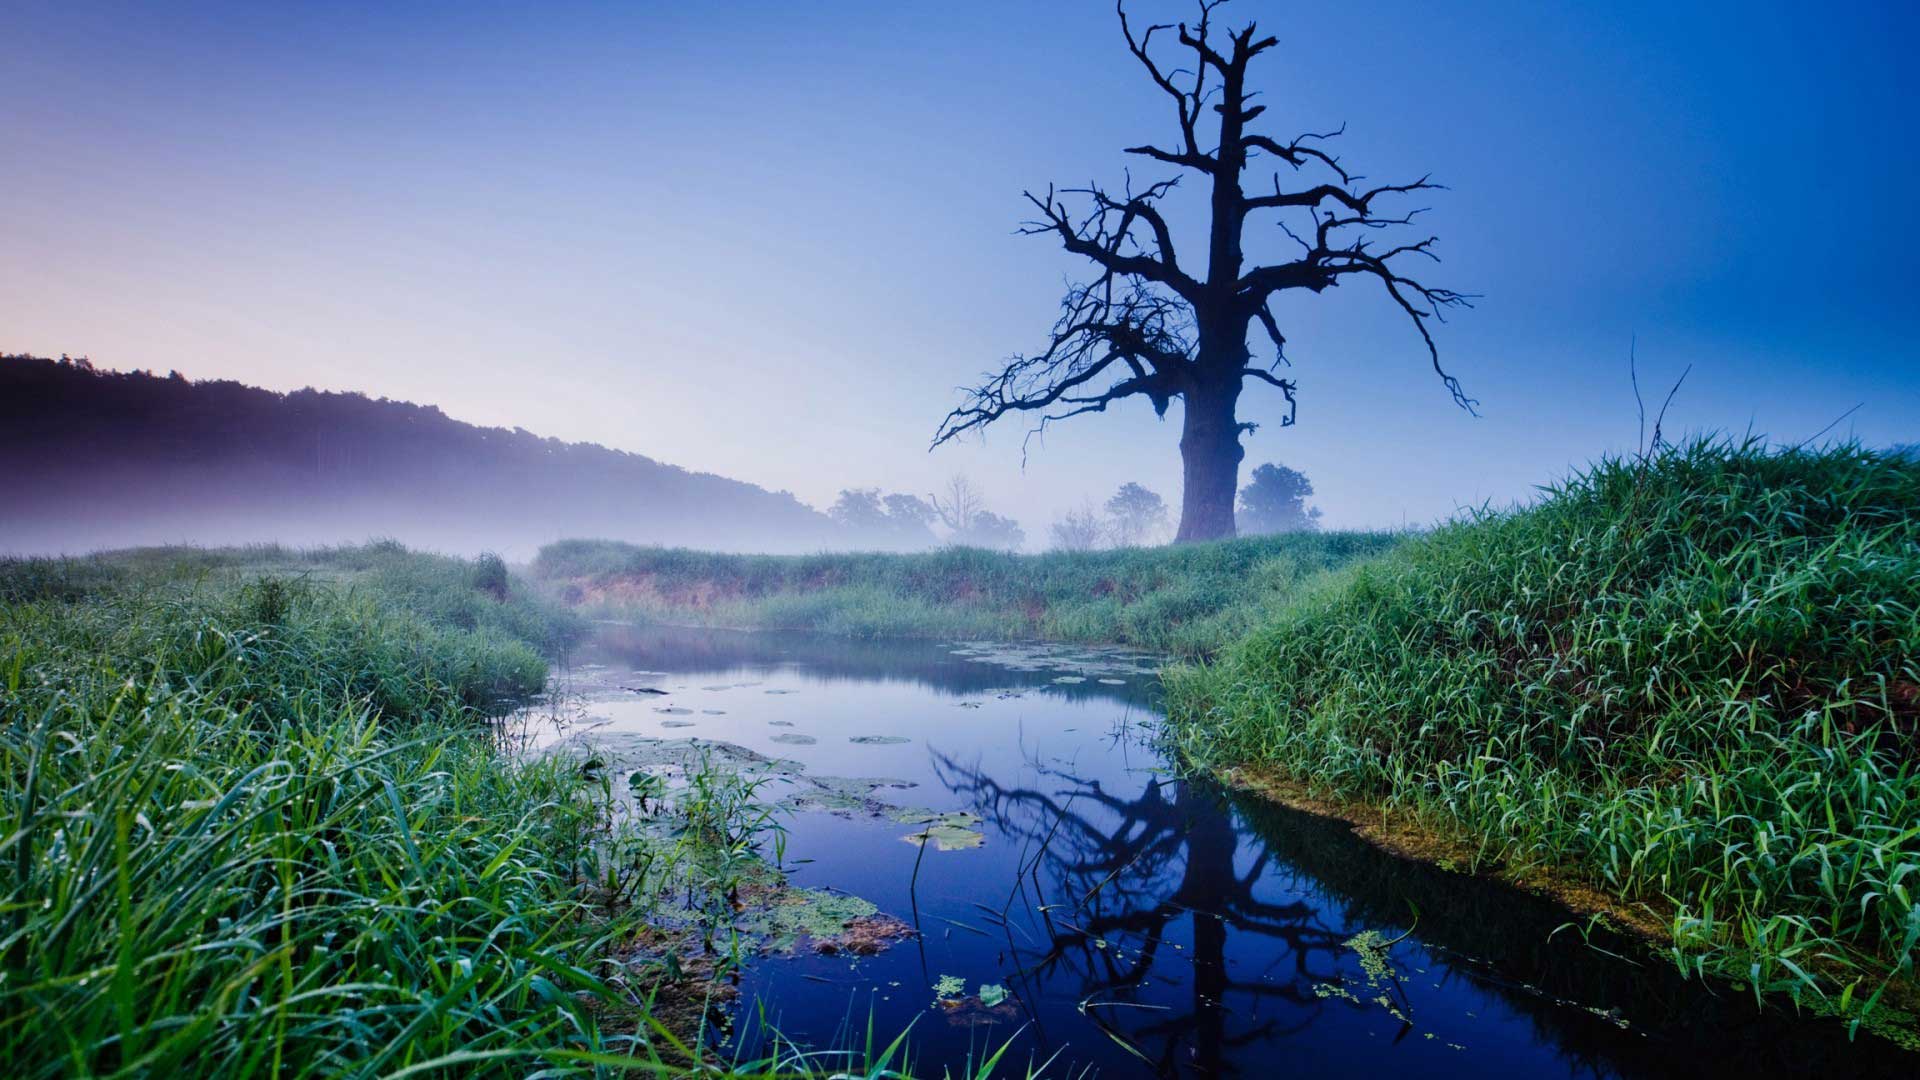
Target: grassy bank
254	821
1183	600
1691	682
252	826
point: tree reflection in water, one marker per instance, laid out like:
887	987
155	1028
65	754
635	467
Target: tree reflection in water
1107	882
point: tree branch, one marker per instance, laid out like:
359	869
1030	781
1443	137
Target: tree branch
1142	332
1093	239
1187	104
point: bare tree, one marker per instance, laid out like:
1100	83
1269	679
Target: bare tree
1147	325
1079	530
962	504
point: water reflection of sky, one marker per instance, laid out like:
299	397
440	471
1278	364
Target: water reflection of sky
1144	923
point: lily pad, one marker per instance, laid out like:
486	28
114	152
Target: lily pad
879	740
676	723
845	796
947	832
794	738
920	815
675	711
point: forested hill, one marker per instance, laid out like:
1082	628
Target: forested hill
92	459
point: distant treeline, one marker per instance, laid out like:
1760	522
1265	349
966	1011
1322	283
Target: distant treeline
92	459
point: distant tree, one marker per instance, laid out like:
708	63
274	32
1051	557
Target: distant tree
892	521
1135	515
962	504
910	517
1145	323
1275	501
989	530
1079	530
963	510
859	510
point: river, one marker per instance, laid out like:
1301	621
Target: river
1100	910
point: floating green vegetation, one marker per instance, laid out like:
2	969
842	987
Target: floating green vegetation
789	914
945	831
879	740
843	796
794	738
1373	950
949	988
992	994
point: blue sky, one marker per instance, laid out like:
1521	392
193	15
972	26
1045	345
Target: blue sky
769	240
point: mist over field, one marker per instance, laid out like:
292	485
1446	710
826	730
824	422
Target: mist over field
100	460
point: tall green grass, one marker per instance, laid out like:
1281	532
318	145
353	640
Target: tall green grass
1692	681
253	823
1185	600
252	827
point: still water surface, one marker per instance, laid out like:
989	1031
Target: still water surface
1143	923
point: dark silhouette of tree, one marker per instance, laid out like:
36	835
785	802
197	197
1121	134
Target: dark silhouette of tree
1135	515
1275	501
1168	859
1148	325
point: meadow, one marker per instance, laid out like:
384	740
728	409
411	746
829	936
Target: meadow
1184	601
257	818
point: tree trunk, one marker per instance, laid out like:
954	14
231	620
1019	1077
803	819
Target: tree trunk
1210	451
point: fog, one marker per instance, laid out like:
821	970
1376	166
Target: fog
97	460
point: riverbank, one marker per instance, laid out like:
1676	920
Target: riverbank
1182	601
259	818
1692	683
